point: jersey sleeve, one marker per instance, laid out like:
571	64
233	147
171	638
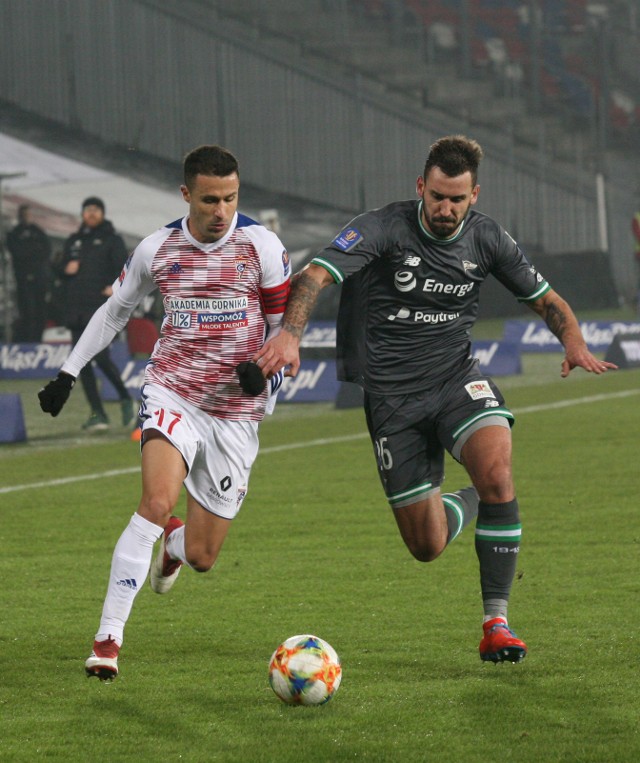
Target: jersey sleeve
275	279
513	270
134	283
357	245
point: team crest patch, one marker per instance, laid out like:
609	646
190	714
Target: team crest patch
479	389
241	264
347	239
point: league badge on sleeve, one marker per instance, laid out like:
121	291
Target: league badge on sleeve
347	239
123	272
286	262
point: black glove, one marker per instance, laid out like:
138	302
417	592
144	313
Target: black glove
54	395
251	379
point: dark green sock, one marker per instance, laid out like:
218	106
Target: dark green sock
498	532
460	507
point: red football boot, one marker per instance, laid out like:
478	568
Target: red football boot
103	660
500	643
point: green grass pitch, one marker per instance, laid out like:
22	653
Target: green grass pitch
315	549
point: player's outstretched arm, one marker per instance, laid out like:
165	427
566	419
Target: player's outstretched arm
55	393
283	349
561	320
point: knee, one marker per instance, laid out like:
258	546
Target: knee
201	556
496	484
200	562
425	552
156	509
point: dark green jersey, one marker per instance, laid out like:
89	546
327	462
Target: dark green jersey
409	300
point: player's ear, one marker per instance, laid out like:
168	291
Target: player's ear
420	186
474	194
185	193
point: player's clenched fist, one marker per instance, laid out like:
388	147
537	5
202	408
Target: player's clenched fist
55	394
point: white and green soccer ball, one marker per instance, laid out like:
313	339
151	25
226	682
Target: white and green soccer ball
305	670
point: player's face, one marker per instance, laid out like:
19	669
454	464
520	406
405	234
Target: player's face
212	203
446	201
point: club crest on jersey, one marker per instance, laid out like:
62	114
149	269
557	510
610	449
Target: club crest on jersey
347	239
175	269
468	265
241	264
479	389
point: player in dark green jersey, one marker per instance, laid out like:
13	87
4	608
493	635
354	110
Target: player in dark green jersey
412	273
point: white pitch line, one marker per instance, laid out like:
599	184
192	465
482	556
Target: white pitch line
576	401
313	443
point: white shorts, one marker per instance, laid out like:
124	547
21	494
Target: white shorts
219	453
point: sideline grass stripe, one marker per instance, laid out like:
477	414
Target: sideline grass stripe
136	469
577	401
312	443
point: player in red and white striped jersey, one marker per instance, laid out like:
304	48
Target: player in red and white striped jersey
225	282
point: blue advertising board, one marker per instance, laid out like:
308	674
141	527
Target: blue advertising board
535	336
497	358
316	381
32	361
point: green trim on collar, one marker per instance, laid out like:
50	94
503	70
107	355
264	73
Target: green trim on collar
429	235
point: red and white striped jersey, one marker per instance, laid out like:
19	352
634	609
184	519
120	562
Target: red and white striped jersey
220	299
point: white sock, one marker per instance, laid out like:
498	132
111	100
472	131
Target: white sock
175	545
129	569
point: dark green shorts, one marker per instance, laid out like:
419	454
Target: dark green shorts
411	432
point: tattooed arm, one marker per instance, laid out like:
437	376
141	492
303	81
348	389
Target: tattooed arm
561	320
283	349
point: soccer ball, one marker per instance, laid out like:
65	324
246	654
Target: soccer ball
305	670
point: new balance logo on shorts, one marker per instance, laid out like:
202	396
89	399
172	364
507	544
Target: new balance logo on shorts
128	583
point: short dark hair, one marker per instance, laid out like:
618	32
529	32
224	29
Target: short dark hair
94	201
209	160
455	155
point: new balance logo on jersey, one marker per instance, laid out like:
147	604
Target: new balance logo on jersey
412	261
128	583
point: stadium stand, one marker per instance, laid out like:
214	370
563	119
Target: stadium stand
537	63
525	77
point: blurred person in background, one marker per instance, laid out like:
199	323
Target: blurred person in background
30	251
92	259
412	273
